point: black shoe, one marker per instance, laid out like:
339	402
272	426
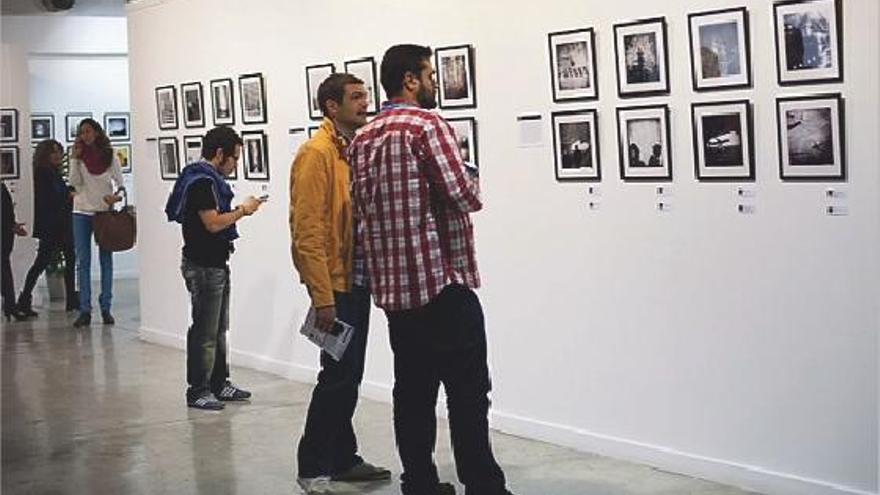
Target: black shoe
231	392
24	306
205	401
363	472
12	312
84	320
445	489
107	318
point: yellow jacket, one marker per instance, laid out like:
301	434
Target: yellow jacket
321	226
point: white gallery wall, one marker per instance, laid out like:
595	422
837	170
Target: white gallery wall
738	347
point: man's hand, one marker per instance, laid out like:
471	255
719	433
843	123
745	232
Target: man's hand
324	318
112	199
250	205
21	232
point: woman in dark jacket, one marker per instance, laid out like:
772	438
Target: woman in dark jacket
52	223
9	229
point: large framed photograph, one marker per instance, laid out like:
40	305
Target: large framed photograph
365	70
8	125
9	162
123	154
455	77
315	75
256	156
42	127
193	105
252	89
166	107
644	143
117	125
723	141
573	65
71	124
223	102
192	149
720	56
576	145
642	58
812	144
169	158
809	41
466	136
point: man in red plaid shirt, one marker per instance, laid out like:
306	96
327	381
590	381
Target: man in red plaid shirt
413	195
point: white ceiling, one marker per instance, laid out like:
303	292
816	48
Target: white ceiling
99	8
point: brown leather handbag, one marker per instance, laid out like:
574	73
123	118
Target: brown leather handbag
116	230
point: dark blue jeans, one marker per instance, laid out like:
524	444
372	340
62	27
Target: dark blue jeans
82	238
206	348
328	445
443	342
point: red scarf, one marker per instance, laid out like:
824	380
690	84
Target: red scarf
94	158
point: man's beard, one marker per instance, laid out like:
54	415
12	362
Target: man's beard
426	98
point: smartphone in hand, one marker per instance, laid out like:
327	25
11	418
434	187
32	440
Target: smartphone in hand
263	198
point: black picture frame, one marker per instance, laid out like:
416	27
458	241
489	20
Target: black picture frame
255	155
647	135
561	94
626	33
222	102
791	51
10	163
365	70
190	143
166	107
9	125
811	138
315	75
122	151
312	130
588	166
454	91
466	137
723	141
169	157
252	90
715	68
71	124
192	105
42	127
112	121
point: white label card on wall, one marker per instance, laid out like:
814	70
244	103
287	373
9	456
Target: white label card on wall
531	132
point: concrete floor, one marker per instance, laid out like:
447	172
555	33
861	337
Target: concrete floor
97	411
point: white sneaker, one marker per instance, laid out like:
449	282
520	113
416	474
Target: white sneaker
319	484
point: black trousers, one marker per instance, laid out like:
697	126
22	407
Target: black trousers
8	287
443	342
45	253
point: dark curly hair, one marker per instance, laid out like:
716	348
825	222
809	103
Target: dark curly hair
43	150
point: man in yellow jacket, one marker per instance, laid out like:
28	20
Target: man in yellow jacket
323	242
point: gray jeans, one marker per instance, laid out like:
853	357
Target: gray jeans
206	347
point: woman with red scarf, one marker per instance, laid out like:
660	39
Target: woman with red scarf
96	177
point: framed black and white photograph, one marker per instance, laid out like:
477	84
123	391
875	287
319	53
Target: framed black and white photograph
192	102
8	125
720	56
117	126
576	145
723	141
573	65
123	154
644	143
71	124
42	127
166	107
253	98
455	77
365	70
9	162
809	41
223	102
255	154
642	58
169	158
466	136
812	144
192	149
315	75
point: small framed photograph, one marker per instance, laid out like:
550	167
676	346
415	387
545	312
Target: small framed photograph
123	154
573	65
455	77
256	156
365	70
117	126
192	149
809	41
223	102
71	124
166	107
8	125
723	141
9	162
720	57
312	130
812	144
466	136
42	127
642	58
253	98
315	75
576	145
193	104
169	158
644	143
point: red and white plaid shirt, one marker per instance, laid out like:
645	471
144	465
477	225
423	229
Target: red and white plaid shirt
413	195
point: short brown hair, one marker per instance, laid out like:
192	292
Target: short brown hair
333	88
